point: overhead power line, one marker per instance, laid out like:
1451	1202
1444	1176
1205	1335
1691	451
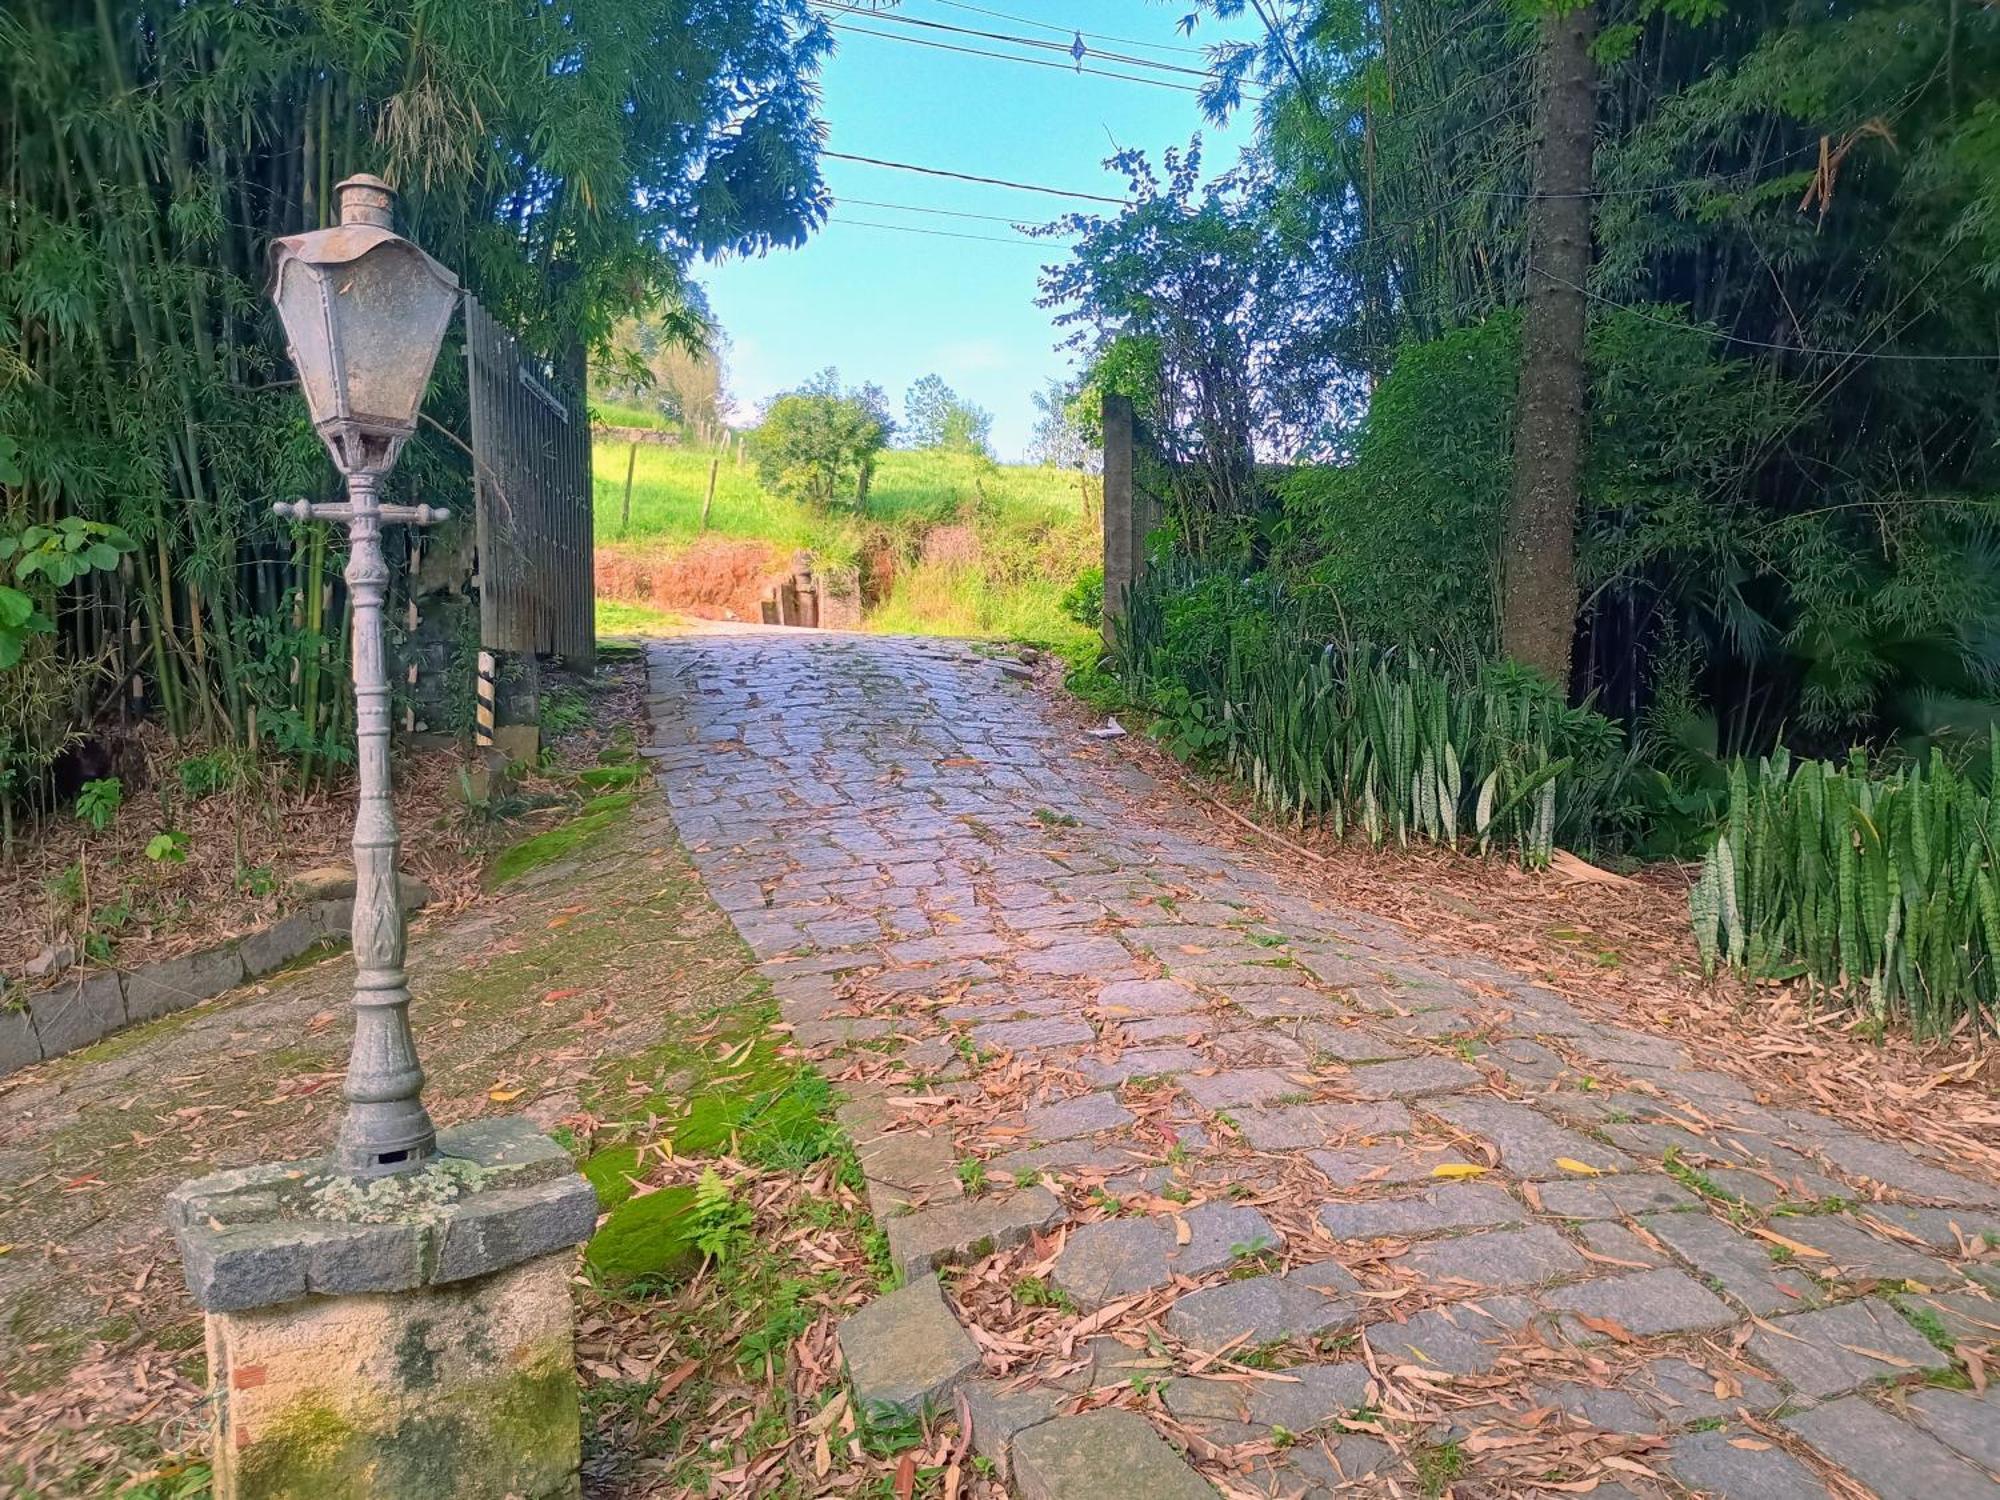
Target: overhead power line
1023	187
1076	50
948	234
1128	41
1732	338
1026	62
922	208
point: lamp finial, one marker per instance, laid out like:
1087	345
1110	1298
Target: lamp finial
366	199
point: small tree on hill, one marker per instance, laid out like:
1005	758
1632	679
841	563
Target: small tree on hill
936	416
818	444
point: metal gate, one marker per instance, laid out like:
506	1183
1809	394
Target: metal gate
531	480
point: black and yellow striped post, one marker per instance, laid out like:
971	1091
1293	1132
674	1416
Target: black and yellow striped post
483	718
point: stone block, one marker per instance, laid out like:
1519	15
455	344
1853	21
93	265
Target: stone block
995	1416
458	1393
1087	1114
1260	1310
1711	1463
1739	1265
1297	1399
1009	1036
971	1227
1683	1392
1412	1077
1891	1457
1461	1340
906	1351
1356	1166
19	1046
1236	1087
1290	1127
1530	1144
270	949
1496	1258
1472	1205
1148	997
77	1012
1816	1352
1116	1257
495	1230
1615	1197
1644	1303
1102	1453
1962	1421
157	989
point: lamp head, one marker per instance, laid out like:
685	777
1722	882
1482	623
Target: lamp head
364	311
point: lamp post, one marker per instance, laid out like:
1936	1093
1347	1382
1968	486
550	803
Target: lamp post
364	312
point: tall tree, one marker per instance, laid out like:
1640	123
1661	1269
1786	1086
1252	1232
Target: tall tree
1538	592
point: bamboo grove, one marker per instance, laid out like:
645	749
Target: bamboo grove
568	163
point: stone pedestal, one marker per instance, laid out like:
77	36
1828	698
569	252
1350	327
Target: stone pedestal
407	1337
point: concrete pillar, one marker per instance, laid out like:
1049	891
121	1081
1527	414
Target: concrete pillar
1121	556
398	1338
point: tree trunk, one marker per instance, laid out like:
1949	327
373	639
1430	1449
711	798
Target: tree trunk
1538	550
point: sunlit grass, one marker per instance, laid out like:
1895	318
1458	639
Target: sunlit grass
618	617
1034	532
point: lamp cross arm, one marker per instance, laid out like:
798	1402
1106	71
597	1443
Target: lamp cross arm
405	515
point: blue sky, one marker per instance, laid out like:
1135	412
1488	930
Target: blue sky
889	306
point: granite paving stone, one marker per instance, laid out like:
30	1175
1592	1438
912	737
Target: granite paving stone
1891	1457
864	808
1261	1310
971	1227
1727	1257
1354	1166
1298	1398
1087	1114
1642	1303
1291	1126
1102	1453
1819	1353
1963	1421
1495	1258
1530	1143
1472	1205
1737	1464
1614	1197
906	1350
1463	1340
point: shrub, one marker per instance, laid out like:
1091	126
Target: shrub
1083	602
1396	744
1876	885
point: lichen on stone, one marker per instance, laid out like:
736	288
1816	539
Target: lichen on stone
410	1197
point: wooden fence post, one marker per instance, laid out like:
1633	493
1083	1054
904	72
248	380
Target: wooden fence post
714	467
625	515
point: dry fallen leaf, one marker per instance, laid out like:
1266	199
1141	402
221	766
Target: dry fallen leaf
1581	1168
1458	1169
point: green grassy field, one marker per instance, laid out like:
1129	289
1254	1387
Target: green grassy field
977	548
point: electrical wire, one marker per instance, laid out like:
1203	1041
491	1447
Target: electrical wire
1128	41
1028	62
947	234
1013	39
1732	338
1024	187
919	208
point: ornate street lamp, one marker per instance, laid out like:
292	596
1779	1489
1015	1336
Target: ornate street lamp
364	313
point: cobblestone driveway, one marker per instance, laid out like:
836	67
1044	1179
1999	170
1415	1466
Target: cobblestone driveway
1230	1187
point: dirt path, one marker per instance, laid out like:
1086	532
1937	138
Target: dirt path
1336	1204
540	999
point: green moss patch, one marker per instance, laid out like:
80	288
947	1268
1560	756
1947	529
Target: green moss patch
648	1239
599	816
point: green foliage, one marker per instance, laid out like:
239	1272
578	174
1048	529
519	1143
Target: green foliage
1878	884
719	1221
1083	601
936	416
568	164
170	847
1389	743
818	445
97	802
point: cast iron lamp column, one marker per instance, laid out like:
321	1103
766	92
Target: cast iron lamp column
365	311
